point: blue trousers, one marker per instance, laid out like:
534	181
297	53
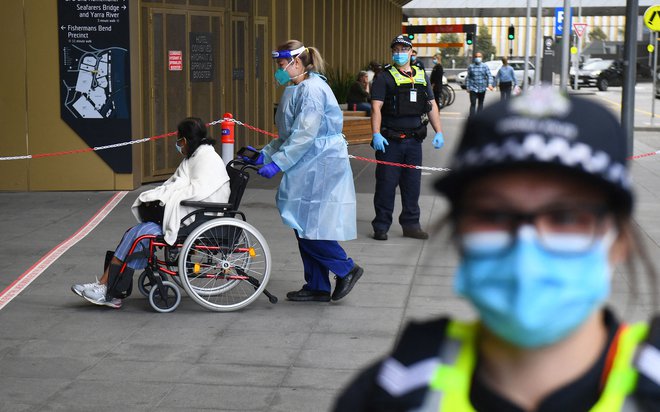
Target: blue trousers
144	228
408	151
320	257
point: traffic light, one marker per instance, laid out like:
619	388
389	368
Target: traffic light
512	33
469	38
411	36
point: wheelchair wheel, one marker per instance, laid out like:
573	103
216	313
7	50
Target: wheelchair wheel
224	264
167	302
144	284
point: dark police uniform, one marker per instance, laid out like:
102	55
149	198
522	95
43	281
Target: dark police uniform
405	97
378	389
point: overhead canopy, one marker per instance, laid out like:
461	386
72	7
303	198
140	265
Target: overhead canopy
514	8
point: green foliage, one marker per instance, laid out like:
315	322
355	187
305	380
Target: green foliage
340	82
484	43
597	34
449	38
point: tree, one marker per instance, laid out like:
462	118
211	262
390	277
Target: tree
597	34
449	38
484	43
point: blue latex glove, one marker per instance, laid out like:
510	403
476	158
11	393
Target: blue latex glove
259	161
270	170
379	142
438	140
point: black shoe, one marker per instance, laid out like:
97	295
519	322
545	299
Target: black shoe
304	295
415	233
380	235
345	284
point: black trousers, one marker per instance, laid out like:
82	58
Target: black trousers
505	90
407	151
474	98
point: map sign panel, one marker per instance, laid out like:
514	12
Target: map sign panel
95	75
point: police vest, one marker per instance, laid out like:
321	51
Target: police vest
409	97
448	377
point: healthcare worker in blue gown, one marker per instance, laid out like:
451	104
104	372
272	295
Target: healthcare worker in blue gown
316	197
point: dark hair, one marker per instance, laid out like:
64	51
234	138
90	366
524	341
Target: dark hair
194	130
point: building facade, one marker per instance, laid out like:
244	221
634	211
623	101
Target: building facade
184	58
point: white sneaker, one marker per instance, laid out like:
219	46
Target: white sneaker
79	288
96	295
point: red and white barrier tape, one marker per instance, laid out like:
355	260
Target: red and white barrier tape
256	129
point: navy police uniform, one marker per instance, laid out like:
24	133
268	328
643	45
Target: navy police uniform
406	97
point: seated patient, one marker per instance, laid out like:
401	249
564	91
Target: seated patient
201	176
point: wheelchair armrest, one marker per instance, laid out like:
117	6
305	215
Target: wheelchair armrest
210	206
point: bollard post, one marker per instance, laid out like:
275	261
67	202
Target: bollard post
227	138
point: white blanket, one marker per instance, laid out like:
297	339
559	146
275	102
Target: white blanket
202	177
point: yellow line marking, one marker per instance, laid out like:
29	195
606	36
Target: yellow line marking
617	104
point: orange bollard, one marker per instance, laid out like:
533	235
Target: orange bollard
227	138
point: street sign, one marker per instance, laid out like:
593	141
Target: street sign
559	21
652	18
579	28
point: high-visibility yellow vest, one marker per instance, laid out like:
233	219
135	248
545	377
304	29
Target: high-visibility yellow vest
449	387
399	79
409	97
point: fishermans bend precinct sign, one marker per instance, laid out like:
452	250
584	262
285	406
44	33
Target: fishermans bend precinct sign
95	87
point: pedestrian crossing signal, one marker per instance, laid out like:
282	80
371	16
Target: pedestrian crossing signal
469	38
512	33
410	36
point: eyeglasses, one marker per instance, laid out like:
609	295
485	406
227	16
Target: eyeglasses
401	49
560	229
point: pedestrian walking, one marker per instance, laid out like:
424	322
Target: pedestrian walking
506	79
478	80
399	98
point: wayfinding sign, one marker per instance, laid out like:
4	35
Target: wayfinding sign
95	75
559	21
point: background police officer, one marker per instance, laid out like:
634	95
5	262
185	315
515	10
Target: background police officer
399	98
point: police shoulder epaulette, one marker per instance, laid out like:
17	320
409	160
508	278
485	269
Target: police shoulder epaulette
387	66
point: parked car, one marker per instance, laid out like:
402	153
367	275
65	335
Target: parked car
600	74
494	66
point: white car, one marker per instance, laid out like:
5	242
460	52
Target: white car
494	66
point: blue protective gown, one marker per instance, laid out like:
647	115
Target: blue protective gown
316	196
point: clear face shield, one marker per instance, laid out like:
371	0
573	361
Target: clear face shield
282	76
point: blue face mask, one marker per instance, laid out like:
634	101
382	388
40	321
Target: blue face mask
435	61
531	297
413	58
178	148
400	59
477	60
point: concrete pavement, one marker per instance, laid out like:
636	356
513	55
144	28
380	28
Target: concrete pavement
59	353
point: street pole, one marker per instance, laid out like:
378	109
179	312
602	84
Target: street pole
576	66
539	43
654	74
565	42
528	42
629	72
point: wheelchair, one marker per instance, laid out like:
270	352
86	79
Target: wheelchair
222	262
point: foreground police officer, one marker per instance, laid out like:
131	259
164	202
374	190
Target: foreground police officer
399	98
541	212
